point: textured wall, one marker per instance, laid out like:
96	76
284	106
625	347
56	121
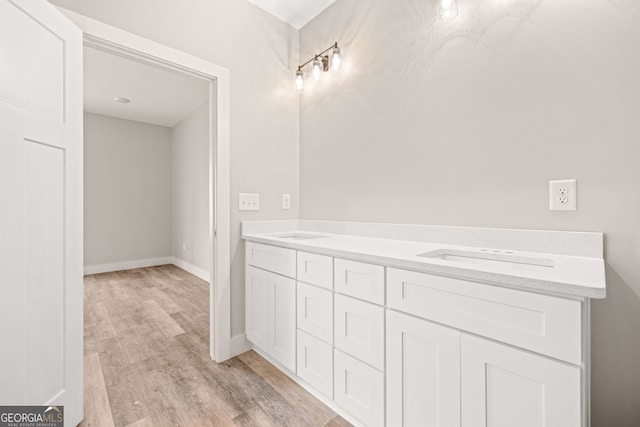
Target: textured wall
190	189
260	52
464	122
127	190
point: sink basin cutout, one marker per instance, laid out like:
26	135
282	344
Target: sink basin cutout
489	258
300	236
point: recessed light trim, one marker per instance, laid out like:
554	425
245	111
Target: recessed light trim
122	100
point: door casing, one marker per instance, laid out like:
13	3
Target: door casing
111	39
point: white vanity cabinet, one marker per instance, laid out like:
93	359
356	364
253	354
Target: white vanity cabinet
438	376
270	305
389	346
445	376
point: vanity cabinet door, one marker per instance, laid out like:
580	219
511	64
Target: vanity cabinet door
270	314
423	373
258	290
282	337
505	387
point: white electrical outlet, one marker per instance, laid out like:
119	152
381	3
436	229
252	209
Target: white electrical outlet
286	201
563	195
248	202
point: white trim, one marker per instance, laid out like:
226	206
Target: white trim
193	269
240	344
126	265
107	37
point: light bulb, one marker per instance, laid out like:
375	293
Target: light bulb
316	69
299	80
336	59
448	8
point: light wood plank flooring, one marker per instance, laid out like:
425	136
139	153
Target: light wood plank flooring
147	361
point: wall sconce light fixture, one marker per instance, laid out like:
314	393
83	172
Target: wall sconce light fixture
319	64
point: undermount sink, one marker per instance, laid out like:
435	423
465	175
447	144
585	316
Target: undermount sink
487	257
300	236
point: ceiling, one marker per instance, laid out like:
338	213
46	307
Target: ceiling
158	96
296	12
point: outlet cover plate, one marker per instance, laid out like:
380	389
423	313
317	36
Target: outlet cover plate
563	195
286	201
248	202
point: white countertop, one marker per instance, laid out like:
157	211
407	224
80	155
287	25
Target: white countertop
566	275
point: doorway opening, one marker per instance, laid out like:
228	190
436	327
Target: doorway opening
105	38
146	169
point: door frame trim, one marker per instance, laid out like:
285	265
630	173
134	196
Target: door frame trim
106	37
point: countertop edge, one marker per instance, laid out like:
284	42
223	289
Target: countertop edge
495	279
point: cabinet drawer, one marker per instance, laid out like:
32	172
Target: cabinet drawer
272	258
359	389
359	330
315	363
315	311
360	280
315	269
540	323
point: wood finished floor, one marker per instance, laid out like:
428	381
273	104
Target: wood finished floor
147	361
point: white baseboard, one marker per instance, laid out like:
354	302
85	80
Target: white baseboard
126	265
151	262
187	266
240	344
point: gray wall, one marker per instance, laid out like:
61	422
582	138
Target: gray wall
464	122
260	52
127	190
190	189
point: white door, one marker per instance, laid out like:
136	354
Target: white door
423	373
41	208
505	387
